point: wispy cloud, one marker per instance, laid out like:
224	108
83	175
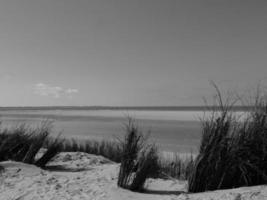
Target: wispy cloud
71	91
43	89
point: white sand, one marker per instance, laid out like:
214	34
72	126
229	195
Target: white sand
77	176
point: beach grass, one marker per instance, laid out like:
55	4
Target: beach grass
147	166
233	152
139	159
109	149
52	149
177	166
22	143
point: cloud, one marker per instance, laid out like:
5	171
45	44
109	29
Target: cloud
71	91
53	91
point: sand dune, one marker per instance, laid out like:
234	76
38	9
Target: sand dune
73	176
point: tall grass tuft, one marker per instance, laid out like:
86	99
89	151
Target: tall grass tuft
53	148
12	145
147	166
139	160
22	143
233	152
37	140
131	146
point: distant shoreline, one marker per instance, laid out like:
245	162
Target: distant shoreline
140	108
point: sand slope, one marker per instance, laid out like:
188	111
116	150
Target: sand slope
81	176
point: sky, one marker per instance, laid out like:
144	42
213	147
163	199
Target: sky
129	52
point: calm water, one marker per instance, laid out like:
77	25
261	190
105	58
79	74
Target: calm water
171	130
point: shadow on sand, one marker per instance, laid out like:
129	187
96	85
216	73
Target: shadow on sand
162	192
62	168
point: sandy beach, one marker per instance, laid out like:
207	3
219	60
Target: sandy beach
77	176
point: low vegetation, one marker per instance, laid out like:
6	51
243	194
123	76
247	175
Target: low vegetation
54	147
233	152
147	166
109	149
22	144
139	160
176	166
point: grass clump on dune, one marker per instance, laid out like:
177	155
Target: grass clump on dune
139	160
147	166
233	152
22	144
53	148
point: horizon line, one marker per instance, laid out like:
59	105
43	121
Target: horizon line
174	108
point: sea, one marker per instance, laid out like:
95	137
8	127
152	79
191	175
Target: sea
171	130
